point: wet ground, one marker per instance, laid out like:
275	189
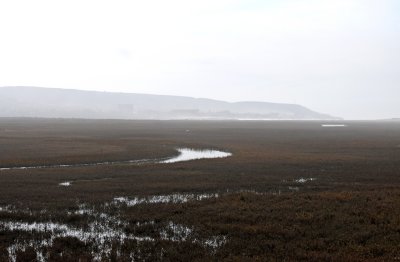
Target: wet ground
123	190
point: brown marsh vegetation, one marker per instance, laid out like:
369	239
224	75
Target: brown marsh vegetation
293	191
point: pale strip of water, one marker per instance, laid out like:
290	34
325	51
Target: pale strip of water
333	125
185	154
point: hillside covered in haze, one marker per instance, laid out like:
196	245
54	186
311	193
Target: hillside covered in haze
67	103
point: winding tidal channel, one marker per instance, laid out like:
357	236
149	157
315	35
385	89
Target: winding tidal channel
185	154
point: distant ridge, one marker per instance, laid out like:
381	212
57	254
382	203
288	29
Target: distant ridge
23	101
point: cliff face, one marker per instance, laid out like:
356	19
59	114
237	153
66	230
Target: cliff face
66	103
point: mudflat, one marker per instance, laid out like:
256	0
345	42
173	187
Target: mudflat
288	190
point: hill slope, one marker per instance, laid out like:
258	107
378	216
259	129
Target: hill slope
67	103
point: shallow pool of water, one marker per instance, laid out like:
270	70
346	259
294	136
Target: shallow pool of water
304	180
163	199
187	154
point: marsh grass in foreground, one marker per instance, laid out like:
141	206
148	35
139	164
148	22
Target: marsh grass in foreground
104	233
290	191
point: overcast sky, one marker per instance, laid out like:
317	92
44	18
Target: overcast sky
340	57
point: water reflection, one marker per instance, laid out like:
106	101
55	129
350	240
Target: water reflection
187	154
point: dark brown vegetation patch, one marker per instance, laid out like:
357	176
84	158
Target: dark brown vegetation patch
350	211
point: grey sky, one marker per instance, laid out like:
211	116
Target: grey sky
340	57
